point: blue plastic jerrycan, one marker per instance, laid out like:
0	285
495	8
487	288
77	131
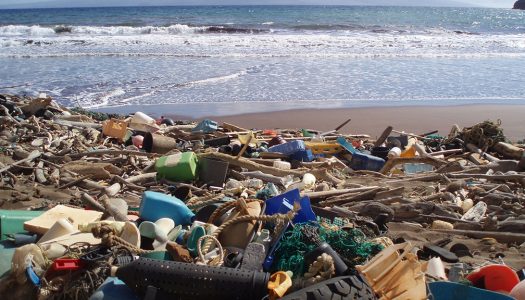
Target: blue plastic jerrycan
284	203
155	206
361	161
444	290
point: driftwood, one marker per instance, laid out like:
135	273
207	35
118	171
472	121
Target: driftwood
91	202
508	151
31	157
474	149
326	194
383	136
265	177
253	166
345	198
502	237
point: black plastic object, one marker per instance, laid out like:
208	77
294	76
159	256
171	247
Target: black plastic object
167	121
96	255
381	152
219	141
176	280
340	266
344	288
460	250
212	172
444	254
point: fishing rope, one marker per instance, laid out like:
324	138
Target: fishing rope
265	218
212	262
227	206
109	238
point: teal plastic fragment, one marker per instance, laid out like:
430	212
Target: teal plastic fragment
12	221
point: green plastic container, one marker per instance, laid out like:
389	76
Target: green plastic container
177	167
12	221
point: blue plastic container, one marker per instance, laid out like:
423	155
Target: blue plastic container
155	206
444	290
289	148
303	155
284	203
362	161
113	289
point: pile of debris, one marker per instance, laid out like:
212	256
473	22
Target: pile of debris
113	207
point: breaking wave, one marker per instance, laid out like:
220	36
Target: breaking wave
176	29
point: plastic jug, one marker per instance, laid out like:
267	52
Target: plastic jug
155	206
177	167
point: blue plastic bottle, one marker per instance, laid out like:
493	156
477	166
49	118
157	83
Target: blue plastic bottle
155	206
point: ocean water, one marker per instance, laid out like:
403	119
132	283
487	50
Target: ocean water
233	59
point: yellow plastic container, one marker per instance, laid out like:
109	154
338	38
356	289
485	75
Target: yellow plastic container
115	128
324	148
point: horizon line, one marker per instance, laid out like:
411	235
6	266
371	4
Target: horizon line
246	5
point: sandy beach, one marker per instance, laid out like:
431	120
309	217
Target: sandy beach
372	121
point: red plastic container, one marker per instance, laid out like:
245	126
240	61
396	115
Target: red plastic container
497	278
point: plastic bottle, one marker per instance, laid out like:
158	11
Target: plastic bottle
456	272
155	206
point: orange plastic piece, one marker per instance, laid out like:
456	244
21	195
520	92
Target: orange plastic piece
115	128
395	276
410	152
324	148
278	284
497	278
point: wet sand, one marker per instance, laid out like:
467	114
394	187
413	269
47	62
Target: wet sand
372	121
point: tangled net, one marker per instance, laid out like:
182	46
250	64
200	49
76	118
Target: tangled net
350	244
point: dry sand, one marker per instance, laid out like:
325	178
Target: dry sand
414	119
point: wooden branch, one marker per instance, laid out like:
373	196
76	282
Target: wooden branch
142	178
326	194
265	177
508	151
112	152
474	149
31	157
91	202
502	237
507	177
383	136
320	174
345	198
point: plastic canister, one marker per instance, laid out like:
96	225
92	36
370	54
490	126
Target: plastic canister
177	167
156	205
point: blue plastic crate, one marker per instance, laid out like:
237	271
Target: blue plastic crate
288	148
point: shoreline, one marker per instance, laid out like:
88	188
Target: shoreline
373	120
370	120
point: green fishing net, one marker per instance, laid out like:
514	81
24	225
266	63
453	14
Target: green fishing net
351	245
